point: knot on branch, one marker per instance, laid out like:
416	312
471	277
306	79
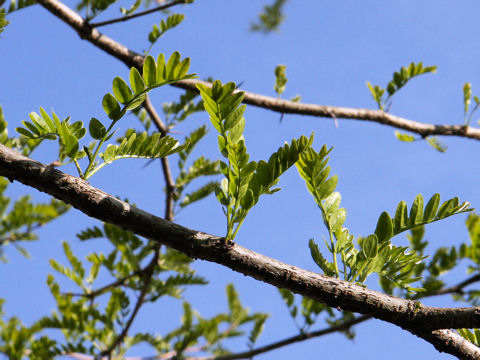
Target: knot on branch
85	30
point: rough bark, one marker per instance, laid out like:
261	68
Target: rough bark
418	319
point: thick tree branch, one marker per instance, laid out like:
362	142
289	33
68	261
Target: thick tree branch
141	13
458	288
409	315
131	58
450	342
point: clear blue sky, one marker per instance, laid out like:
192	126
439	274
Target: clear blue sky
331	49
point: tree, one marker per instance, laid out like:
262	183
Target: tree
142	257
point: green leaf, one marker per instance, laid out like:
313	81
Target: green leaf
280	79
121	90
418	216
143	146
236	132
336	219
182	68
161	76
404	137
136	81
235	115
257	329
247	201
172	21
96	129
377	94
416	211
287	296
405	74
370	246
270	18
172	63
3	21
132	8
49	125
25	133
150	71
436	144
199	194
325	189
319	259
332	202
137	102
401	218
32	128
384	229
111	106
467	96
71	145
154	34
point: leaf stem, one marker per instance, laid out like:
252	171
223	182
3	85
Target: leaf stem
89	171
238	227
77	165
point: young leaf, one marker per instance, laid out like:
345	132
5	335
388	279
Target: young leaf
377	94
280	79
199	194
384	229
171	65
405	74
436	144
370	246
467	96
319	259
96	129
270	18
404	137
111	106
431	208
121	90
172	21
416	212
143	146
420	216
136	81
149	71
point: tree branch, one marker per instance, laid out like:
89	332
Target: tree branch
457	289
141	13
149	270
340	327
409	315
133	59
450	342
119	282
291	340
167	174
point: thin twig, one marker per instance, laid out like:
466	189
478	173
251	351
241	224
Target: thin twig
301	337
143	292
11	238
113	284
141	13
167	174
457	289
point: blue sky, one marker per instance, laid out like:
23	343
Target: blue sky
331	49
